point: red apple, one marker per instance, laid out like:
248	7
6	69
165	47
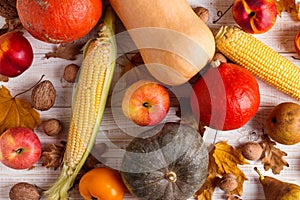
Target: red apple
16	54
20	148
297	43
255	16
146	102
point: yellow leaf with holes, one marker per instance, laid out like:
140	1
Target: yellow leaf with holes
223	159
15	112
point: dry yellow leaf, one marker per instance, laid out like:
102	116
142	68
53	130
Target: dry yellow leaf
289	6
207	189
15	112
223	159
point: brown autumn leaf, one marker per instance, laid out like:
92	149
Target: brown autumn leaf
207	189
285	6
223	159
15	112
272	157
68	51
288	6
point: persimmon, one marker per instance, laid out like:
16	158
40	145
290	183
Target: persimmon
102	183
62	21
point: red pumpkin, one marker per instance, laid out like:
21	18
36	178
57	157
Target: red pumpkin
55	21
225	97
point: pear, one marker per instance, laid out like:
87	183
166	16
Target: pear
283	123
275	189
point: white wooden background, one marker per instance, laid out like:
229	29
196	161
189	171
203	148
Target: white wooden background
280	38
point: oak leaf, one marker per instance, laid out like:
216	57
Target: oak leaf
223	159
272	157
15	112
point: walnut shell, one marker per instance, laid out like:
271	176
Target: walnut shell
24	191
8	9
43	96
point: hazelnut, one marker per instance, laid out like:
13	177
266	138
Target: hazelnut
220	57
70	73
202	13
252	151
52	127
228	183
43	96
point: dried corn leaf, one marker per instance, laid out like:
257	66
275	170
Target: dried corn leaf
272	157
15	112
223	159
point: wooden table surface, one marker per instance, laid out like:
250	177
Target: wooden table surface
280	38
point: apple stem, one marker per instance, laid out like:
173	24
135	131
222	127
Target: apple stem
147	105
18	151
221	14
30	87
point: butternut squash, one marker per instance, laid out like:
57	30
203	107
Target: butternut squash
174	42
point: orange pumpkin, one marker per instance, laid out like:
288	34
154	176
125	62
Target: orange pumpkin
61	21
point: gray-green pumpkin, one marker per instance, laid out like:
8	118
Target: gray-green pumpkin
168	162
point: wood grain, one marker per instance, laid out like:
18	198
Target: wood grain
115	130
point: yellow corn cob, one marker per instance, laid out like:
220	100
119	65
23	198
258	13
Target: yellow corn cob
268	65
88	105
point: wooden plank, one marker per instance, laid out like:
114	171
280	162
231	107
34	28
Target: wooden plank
280	38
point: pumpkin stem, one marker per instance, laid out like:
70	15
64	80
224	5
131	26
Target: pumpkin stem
171	176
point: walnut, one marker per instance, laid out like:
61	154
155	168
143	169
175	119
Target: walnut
52	127
52	155
202	13
70	73
11	25
43	95
8	9
25	191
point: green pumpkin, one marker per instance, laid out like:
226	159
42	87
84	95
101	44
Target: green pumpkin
168	162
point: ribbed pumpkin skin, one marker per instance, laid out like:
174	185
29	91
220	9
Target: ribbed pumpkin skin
175	148
59	21
225	98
